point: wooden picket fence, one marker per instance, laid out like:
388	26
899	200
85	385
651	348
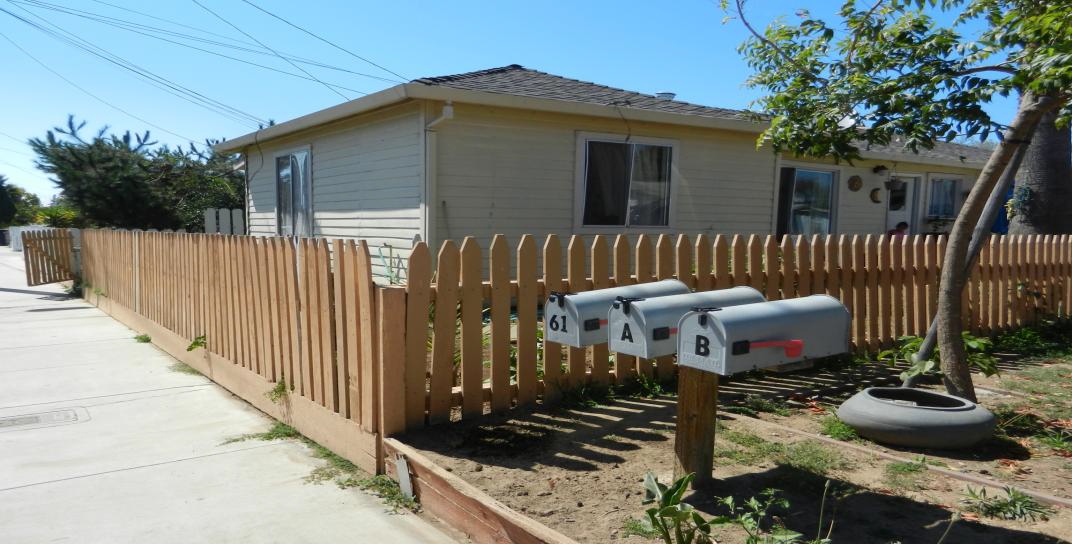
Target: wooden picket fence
484	353
282	310
463	337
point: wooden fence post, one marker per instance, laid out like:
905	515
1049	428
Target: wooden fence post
694	439
391	310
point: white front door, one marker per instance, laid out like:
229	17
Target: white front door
901	202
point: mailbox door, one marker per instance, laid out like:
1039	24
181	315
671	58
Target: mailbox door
700	343
560	323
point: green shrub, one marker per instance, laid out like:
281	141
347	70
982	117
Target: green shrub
1014	505
837	429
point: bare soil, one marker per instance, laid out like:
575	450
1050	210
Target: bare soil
579	470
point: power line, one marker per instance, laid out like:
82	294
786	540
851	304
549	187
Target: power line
329	87
216	53
156	80
333	44
143	29
80	88
16	151
17	167
6	135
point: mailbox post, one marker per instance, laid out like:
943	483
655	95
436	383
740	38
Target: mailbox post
725	341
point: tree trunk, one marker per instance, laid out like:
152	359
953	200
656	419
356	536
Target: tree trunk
1044	191
955	371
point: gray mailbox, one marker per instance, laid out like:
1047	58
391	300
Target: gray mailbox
648	327
580	319
753	336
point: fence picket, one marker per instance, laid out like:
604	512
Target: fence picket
552	351
600	280
527	302
625	365
643	260
499	274
444	332
472	334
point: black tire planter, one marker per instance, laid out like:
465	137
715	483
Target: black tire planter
916	418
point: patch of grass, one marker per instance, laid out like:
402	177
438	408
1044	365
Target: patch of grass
143	338
1014	505
755	404
336	468
184	368
809	455
97	291
905	475
385	488
1014	421
639	527
279	431
812	456
278	393
837	429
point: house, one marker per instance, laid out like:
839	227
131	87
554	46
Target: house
513	150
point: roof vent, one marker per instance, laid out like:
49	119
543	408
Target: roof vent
665	95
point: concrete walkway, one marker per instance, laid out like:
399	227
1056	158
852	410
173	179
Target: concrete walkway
101	441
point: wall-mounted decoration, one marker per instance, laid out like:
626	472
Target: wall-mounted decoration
855	183
876	195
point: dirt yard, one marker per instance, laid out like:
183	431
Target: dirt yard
580	469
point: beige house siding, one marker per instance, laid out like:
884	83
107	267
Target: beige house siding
514	171
367	180
857	213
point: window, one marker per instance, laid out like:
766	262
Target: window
294	194
805	202
626	184
943	199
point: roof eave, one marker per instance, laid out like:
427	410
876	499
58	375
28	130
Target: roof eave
386	97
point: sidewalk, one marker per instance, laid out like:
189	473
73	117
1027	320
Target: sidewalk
101	441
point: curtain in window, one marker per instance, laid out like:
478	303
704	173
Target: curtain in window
606	193
812	202
293	194
649	187
943	198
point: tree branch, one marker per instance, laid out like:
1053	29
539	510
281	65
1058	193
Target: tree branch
856	36
994	68
763	39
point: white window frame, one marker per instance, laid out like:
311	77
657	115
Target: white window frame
580	170
958	199
275	184
835	196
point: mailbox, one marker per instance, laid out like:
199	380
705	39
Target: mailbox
648	328
580	319
741	338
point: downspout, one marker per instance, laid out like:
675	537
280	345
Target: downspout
430	174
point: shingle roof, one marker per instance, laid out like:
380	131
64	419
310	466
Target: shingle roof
945	151
520	81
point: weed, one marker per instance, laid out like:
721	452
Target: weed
278	393
672	520
587	396
198	342
184	369
343	472
978	350
99	292
383	487
1014	505
837	429
1025	341
1059	440
648	387
1017	422
905	474
279	431
143	338
639	527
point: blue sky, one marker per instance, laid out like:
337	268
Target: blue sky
677	46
